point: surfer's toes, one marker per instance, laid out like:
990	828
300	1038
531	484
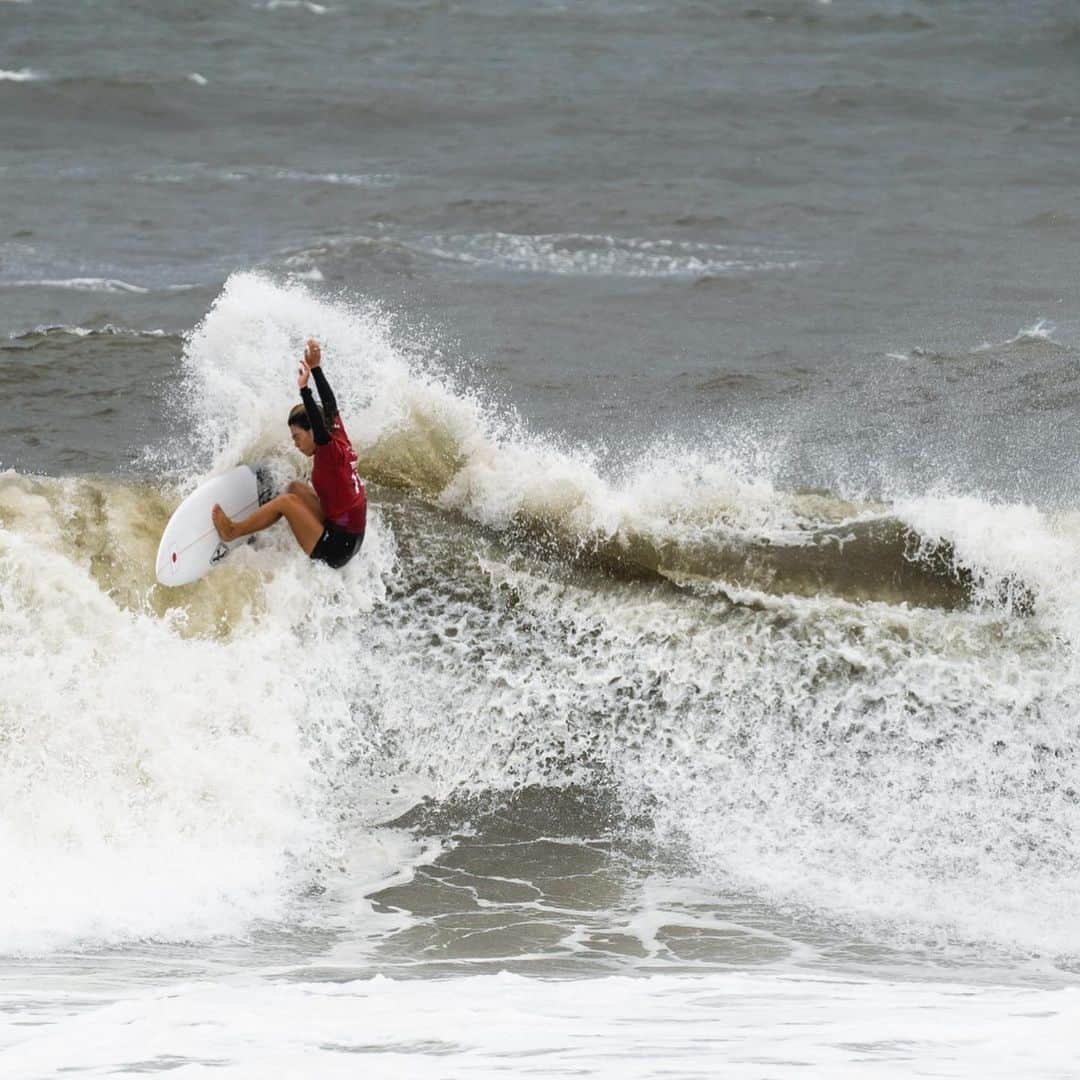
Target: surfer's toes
226	529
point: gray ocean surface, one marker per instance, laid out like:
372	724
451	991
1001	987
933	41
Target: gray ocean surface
628	218
715	371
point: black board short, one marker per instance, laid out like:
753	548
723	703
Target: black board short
336	546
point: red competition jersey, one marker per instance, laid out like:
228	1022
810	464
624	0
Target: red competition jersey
337	483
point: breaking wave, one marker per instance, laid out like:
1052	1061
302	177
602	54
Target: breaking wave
862	712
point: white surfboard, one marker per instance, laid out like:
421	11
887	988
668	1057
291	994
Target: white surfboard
190	544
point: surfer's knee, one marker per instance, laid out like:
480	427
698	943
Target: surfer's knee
293	506
296	487
281	506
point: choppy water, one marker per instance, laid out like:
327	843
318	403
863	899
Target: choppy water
703	700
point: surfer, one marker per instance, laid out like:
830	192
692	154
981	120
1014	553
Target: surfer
328	516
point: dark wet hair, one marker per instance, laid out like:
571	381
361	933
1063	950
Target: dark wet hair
298	416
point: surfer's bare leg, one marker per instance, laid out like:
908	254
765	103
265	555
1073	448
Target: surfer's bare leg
307	526
307	493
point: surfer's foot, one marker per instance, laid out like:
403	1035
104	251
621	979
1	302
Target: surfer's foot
223	523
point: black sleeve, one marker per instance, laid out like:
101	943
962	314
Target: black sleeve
326	395
318	428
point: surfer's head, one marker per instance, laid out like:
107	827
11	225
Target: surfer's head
300	429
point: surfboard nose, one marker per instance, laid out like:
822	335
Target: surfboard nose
190	544
165	570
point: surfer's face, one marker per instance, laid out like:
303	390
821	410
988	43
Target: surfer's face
303	440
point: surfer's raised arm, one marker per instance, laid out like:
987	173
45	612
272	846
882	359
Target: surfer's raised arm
315	415
313	359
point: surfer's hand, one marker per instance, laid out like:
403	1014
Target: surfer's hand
312	354
303	375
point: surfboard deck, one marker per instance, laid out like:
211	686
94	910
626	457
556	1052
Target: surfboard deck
190	544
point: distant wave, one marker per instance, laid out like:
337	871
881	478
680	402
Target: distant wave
22	75
1036	338
92	284
40	335
346	179
575	253
1040	332
1050	219
78	284
290	5
569	254
194	171
819	17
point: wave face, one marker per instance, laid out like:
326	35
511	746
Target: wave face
862	712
